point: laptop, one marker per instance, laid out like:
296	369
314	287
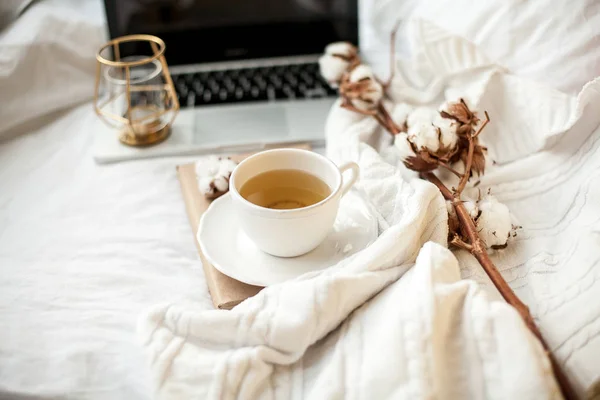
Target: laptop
245	71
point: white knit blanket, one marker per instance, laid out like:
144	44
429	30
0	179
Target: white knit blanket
396	320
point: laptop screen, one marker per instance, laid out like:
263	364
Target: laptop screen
198	31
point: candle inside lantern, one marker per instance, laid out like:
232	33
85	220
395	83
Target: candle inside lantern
137	97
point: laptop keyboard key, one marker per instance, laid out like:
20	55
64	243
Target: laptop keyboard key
244	82
276	81
291	79
271	94
197	86
239	94
288	91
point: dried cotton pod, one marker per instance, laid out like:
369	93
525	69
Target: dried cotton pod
361	88
465	121
213	175
478	160
458	111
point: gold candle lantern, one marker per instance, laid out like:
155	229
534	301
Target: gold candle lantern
135	94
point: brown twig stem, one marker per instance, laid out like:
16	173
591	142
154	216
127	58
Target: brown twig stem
458	242
467	174
478	250
389	123
487	119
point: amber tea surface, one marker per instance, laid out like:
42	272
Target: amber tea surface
285	189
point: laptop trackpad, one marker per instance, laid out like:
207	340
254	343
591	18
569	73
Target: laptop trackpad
249	123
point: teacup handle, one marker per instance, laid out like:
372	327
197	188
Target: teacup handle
355	173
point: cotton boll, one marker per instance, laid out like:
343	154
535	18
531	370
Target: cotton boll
361	88
213	175
221	183
448	129
421	115
204	185
344	49
208	166
335	62
332	68
226	166
401	112
403	145
494	224
369	98
361	72
424	135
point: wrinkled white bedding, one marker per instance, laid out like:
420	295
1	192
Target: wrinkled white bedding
86	249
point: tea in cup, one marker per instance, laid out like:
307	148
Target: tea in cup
287	199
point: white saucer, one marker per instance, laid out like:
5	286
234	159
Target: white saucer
234	254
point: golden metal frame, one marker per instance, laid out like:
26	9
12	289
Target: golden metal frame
134	132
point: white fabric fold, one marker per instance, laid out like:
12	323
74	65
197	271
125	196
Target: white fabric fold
426	335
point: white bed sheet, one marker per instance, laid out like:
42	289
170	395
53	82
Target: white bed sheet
83	250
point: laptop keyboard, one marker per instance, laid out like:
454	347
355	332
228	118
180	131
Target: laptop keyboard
282	82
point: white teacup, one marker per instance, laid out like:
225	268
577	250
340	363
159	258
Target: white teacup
293	232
